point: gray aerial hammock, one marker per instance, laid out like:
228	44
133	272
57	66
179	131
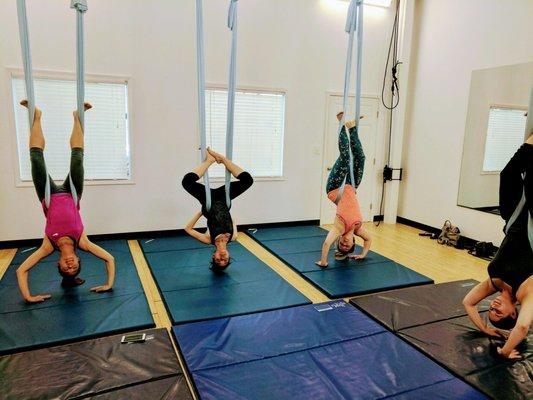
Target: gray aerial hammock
81	7
232	25
354	22
522	203
517	213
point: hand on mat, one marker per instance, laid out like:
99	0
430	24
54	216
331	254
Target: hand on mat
321	264
513	355
101	289
356	257
39	298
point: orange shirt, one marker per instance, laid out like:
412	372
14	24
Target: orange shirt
348	209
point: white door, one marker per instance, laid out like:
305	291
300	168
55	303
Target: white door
367	134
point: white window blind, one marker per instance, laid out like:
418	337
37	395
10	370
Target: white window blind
107	152
505	135
258	134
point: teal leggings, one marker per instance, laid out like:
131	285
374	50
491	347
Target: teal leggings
341	168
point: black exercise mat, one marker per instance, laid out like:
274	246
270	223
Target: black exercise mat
419	305
103	368
173	388
459	346
433	319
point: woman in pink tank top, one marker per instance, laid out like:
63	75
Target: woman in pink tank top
348	219
64	228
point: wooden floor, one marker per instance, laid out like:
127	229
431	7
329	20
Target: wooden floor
398	242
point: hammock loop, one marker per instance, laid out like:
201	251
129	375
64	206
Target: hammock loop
200	57
232	14
81	7
354	23
232	88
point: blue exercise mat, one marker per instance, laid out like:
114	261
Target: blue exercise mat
300	247
323	351
193	292
75	313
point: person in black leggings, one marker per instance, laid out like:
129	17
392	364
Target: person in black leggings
511	271
221	229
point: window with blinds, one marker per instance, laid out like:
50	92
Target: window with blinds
107	150
258	134
505	135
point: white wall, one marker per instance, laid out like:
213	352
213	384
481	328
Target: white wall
297	45
509	85
452	38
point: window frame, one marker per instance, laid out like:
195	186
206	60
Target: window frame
491	106
17	73
256	89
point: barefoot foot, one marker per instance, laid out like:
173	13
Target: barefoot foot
87	106
38	112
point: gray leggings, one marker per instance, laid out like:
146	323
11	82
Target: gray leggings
38	173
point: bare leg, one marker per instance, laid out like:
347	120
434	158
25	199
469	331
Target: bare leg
200	170
76	137
36	132
234	169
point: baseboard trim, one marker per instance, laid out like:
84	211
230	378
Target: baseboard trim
11	244
279	224
467	242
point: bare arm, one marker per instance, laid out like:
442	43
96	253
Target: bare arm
23	272
235	232
479	292
233	168
87	245
189	228
333	234
363	234
519	332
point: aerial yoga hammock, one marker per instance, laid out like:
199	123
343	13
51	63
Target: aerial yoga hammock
347	172
216	203
64	228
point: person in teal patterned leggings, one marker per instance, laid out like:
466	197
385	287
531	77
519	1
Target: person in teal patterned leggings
341	168
348	219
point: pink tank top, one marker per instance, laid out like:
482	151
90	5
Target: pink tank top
348	209
62	218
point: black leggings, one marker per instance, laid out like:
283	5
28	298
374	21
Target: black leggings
38	173
197	190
